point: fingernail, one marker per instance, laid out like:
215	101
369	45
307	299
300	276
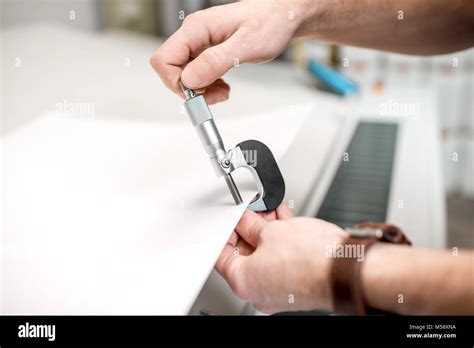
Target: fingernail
190	79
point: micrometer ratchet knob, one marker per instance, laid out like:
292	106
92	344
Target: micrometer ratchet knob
188	92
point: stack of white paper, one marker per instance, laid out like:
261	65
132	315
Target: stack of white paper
106	217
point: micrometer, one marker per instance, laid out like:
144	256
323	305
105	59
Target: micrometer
250	154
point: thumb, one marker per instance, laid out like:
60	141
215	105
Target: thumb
211	64
284	212
250	227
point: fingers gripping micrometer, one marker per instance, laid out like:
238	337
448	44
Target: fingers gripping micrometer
250	154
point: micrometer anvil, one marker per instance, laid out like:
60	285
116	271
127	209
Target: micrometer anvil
250	154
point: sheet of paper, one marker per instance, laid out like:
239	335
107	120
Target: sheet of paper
108	217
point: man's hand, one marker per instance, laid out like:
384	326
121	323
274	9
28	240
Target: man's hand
212	41
278	263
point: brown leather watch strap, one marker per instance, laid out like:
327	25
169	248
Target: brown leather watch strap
347	287
348	294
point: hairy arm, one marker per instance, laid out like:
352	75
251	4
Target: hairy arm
420	27
405	280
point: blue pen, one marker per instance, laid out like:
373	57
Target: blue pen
332	79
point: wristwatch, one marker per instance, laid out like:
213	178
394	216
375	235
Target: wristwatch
346	280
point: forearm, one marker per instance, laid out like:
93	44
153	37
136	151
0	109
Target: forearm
404	280
405	26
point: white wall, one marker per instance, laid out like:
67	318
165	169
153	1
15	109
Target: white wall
25	12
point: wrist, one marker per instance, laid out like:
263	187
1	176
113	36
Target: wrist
315	284
309	16
379	276
327	291
300	14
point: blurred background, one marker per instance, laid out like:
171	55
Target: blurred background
450	75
